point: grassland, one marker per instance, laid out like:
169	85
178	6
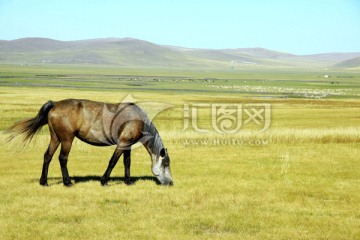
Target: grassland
297	180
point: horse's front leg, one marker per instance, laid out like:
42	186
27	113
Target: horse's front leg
114	159
127	163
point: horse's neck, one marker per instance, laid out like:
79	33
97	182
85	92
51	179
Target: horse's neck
154	144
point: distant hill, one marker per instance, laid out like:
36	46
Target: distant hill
333	58
139	53
350	63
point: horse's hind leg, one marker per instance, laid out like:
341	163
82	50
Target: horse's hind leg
114	159
127	163
54	143
63	158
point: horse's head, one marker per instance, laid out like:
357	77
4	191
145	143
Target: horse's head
161	167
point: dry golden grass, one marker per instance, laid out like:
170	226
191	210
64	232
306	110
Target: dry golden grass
301	181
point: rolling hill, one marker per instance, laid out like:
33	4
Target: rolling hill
138	53
350	63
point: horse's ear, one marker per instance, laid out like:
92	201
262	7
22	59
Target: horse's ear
162	152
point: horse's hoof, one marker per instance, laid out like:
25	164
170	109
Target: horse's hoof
44	184
68	184
103	183
129	183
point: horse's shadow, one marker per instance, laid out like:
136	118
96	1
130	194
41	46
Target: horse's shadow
115	180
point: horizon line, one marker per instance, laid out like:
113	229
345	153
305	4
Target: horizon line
175	46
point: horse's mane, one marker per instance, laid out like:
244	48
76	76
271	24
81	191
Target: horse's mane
154	142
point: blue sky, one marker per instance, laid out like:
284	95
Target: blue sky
299	26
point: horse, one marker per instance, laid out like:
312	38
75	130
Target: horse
98	124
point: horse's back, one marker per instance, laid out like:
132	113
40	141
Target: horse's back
88	120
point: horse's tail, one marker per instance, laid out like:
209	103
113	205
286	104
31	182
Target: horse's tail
29	127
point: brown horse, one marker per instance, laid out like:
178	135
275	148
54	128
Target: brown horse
98	124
